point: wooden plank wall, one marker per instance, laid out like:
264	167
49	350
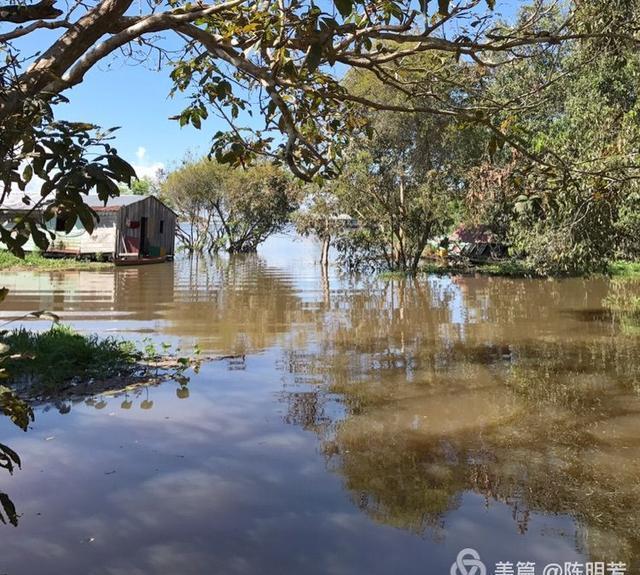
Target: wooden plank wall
155	212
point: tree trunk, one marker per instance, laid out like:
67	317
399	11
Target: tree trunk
402	257
324	258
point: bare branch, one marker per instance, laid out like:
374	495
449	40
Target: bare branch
20	13
38	24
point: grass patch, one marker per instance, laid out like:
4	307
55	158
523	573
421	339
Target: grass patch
60	363
59	355
397	275
624	269
36	261
508	268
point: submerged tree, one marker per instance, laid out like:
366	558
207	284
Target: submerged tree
191	191
403	180
320	216
234	209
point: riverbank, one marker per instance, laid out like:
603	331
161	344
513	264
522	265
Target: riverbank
35	261
509	268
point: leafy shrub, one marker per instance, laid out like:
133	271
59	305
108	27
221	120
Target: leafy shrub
59	355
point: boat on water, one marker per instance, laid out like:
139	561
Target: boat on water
139	261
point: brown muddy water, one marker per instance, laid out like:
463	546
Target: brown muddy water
367	426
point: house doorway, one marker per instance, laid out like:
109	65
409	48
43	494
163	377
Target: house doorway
143	236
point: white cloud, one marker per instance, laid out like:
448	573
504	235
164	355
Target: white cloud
141	153
150	171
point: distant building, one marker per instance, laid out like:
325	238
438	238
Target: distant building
128	224
346	221
477	243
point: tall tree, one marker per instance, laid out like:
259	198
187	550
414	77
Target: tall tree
403	180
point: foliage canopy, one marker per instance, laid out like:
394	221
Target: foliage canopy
281	57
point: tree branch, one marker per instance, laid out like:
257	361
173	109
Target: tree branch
19	13
24	30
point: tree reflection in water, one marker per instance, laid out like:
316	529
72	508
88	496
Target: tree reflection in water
20	413
422	392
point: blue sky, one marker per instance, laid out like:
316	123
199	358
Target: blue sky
136	99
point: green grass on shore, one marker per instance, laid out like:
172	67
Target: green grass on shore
35	261
516	268
397	275
59	355
508	268
624	269
61	362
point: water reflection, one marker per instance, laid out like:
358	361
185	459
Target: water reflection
493	413
494	387
239	305
232	306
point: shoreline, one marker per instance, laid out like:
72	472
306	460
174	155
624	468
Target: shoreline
37	262
510	269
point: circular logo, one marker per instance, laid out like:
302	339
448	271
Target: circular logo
468	563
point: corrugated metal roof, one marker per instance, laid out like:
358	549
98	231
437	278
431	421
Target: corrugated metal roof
113	203
14	201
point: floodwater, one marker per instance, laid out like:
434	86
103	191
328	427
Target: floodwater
363	426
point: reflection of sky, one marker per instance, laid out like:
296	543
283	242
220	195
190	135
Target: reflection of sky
217	484
446	291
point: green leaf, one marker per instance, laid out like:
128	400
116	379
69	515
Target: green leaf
87	218
314	57
9	509
69	223
39	237
345	7
123	170
27	173
10	454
